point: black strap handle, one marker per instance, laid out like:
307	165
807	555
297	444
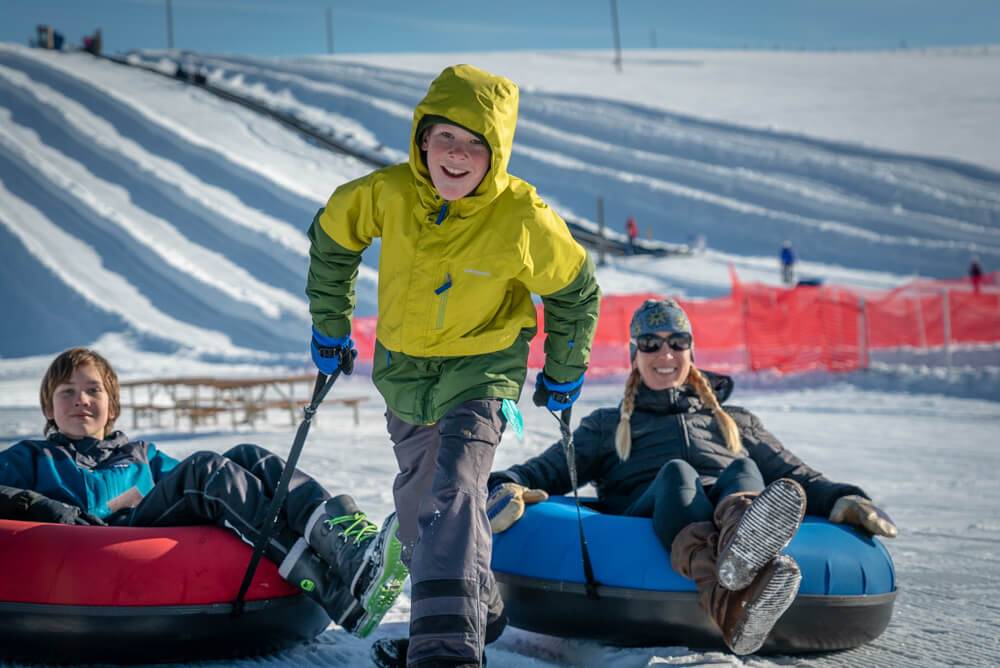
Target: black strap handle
320	390
569	450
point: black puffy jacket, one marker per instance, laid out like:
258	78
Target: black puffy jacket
666	425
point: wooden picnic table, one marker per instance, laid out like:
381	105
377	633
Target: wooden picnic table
203	399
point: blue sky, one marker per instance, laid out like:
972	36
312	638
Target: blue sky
285	27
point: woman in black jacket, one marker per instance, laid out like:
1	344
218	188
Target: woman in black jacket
723	494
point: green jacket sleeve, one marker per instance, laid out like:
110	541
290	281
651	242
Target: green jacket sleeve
333	271
570	321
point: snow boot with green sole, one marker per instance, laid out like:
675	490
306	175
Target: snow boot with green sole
369	559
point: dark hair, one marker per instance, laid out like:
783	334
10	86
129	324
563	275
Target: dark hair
61	369
430	120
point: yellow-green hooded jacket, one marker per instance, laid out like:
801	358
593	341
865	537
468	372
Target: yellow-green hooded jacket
455	278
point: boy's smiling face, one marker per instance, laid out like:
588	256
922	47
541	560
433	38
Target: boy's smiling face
456	159
80	405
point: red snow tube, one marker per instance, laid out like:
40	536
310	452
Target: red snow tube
117	594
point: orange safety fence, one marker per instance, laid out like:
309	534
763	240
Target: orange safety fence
759	327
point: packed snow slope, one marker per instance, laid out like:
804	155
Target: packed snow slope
930	461
168	229
136	205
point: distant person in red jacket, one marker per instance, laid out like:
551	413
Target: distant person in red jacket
975	274
633	232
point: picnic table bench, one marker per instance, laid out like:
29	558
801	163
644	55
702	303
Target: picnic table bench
202	400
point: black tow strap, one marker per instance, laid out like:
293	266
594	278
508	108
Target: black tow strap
569	450
322	387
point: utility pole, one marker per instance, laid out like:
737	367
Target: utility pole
170	25
329	30
652	38
616	35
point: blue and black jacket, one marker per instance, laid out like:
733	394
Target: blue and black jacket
100	476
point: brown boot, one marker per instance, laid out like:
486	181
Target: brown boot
752	613
744	617
692	554
753	529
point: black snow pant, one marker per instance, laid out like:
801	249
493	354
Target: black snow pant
232	490
440	495
677	498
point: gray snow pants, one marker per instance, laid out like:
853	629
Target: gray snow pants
440	495
232	490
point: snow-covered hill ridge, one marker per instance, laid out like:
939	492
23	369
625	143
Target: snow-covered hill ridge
196	210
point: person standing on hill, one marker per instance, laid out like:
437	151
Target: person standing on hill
975	274
787	264
633	233
464	245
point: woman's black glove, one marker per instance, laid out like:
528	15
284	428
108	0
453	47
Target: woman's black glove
28	506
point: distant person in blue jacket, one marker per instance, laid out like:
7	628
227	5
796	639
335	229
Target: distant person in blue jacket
85	472
787	264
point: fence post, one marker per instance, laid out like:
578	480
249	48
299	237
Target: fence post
920	325
863	357
745	311
946	325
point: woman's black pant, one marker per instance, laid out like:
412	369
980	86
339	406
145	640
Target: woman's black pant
677	498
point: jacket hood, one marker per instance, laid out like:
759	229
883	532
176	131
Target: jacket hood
682	399
482	103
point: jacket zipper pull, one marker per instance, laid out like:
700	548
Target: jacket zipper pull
442	214
444	286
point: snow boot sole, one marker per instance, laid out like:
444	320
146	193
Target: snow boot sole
763	613
387	578
763	531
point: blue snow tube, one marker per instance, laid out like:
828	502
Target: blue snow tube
846	597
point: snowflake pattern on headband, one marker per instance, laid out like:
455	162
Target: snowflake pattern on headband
659	315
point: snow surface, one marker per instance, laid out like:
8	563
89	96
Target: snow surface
929	460
167	229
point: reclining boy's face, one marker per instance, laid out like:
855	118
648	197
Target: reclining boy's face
456	159
80	404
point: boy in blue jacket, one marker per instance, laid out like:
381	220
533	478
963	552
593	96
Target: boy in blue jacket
85	472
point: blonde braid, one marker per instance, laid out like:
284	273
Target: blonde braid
730	431
623	437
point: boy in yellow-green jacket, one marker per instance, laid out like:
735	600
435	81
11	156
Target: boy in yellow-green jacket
464	245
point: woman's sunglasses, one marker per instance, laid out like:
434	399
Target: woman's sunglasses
651	343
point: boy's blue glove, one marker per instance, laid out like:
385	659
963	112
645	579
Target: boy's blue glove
556	396
330	354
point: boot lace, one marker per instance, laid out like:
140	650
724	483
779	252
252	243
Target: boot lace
357	527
